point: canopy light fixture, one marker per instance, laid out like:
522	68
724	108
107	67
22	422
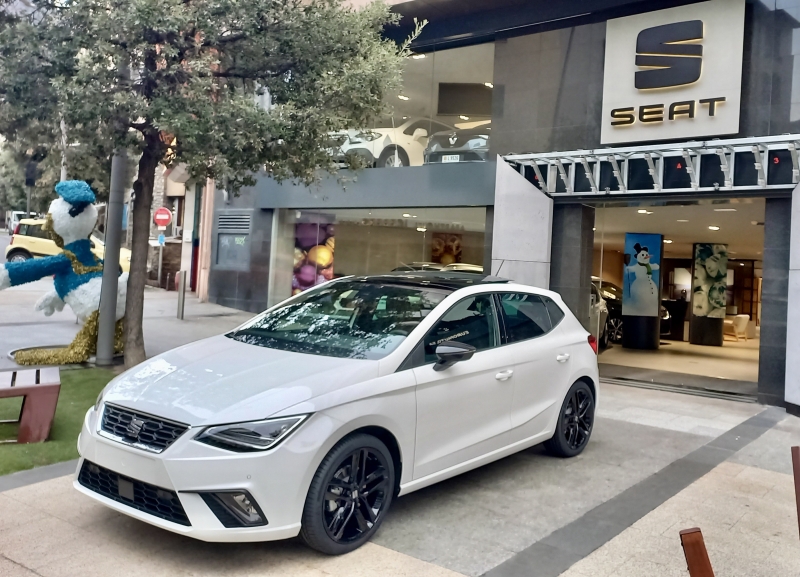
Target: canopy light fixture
406	215
417	56
463	117
724	210
642	211
402	97
488	85
713	227
667	241
682	220
421	229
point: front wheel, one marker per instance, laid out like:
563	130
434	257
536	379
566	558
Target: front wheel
393	157
615	330
575	422
349	496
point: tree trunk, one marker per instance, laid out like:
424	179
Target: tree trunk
134	303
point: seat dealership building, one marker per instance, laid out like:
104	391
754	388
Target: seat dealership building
610	150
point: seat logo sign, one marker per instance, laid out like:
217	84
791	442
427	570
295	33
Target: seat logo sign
134	428
670	55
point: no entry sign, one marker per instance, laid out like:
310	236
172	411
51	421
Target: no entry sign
162	217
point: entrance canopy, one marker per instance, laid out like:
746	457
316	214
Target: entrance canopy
768	163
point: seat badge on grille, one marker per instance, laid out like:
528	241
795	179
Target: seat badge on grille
134	427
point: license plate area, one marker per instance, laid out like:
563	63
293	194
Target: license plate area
125	489
451	157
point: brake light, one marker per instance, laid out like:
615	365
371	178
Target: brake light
16	228
593	343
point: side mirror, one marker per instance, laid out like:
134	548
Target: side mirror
420	133
452	352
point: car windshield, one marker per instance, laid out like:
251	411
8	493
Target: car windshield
347	319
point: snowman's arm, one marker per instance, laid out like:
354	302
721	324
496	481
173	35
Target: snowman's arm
17	273
654	267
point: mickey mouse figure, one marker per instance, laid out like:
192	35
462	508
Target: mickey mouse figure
77	276
644	292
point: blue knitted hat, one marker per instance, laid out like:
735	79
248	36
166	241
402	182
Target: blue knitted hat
77	193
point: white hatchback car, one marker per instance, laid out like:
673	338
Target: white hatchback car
312	417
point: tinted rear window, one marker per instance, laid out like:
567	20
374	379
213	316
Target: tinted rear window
556	314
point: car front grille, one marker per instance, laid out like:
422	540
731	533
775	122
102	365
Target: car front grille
139	429
161	503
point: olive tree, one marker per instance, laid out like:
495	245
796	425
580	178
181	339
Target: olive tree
178	81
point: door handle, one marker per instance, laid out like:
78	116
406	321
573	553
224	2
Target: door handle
562	358
504	375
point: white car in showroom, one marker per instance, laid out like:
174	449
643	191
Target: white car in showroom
313	416
389	147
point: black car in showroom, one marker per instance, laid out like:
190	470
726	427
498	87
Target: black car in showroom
612	294
461	145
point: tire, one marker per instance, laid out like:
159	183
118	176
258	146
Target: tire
387	158
572	434
322	525
18	256
604	341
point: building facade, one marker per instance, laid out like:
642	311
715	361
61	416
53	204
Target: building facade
524	128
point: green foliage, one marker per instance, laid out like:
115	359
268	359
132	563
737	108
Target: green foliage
195	67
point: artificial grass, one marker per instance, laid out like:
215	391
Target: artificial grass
79	390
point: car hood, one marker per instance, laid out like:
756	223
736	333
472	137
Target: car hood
220	380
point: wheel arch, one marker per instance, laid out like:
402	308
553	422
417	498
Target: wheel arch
17	250
387	438
590	383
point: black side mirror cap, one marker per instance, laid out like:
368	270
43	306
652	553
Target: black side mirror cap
452	352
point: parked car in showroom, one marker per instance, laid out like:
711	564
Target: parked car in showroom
463	145
598	318
30	240
314	416
389	147
612	295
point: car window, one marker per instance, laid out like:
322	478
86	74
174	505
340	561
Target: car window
556	314
472	321
525	316
23	229
424	123
436	127
355	320
35	230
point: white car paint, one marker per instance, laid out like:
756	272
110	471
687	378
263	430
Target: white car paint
499	402
410	137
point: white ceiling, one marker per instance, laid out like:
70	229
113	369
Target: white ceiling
744	239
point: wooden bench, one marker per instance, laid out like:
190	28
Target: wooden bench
40	388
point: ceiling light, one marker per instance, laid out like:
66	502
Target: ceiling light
667	241
642	211
418	56
488	85
682	220
594	228
421	229
413	216
712	227
402	97
462	117
406	215
405	117
724	210
741	264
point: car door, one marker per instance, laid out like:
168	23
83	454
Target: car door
541	367
39	242
463	411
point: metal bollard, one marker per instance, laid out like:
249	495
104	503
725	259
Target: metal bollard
181	293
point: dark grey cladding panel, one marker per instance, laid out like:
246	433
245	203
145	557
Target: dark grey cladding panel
456	184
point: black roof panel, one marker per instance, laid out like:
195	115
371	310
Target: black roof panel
439	279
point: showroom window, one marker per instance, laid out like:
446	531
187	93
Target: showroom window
471	321
314	246
441	114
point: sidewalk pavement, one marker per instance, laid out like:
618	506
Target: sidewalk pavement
21	326
657	463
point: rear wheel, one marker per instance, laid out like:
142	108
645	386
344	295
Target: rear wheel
349	496
393	157
575	422
615	330
18	256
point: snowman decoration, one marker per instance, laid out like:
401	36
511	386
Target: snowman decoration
77	276
644	292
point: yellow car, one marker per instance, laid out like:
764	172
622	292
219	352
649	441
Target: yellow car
31	241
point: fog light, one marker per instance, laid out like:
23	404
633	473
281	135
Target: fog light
235	508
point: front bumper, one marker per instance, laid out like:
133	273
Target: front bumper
278	480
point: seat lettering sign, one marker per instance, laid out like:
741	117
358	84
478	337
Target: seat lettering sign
669	55
673	73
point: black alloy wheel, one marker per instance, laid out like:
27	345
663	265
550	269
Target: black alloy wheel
349	496
615	330
575	422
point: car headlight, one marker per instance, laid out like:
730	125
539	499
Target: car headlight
98	401
252	436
